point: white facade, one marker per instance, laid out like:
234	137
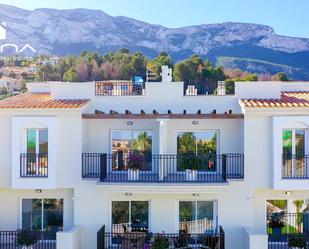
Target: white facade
239	203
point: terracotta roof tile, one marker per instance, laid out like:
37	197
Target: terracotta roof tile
40	100
288	99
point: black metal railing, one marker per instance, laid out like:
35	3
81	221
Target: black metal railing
43	239
202	89
288	241
101	238
33	165
290	223
122	167
114	88
295	166
142	240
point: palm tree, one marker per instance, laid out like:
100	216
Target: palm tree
143	142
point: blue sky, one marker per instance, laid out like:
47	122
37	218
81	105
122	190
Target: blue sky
287	17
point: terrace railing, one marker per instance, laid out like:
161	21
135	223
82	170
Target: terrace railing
295	166
203	89
141	240
115	88
122	167
33	165
288	241
44	239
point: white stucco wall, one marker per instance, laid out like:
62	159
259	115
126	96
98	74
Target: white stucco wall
10	206
233	209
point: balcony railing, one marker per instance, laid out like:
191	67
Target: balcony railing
295	166
288	241
284	228
44	239
114	88
162	168
291	223
202	89
142	240
33	165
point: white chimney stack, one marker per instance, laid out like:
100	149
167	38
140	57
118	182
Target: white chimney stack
221	88
166	74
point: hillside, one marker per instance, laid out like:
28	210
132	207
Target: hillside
59	32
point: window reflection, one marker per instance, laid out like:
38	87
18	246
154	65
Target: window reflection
132	145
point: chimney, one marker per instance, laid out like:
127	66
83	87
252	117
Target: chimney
166	74
221	88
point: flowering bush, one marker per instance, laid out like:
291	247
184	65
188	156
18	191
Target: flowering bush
135	161
160	241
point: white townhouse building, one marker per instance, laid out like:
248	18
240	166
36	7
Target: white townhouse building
155	165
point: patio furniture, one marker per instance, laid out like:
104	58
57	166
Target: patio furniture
133	240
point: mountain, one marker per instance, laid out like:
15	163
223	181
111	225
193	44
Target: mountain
251	47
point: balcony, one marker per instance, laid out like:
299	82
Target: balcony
285	228
134	168
295	167
119	88
42	239
140	240
202	89
33	165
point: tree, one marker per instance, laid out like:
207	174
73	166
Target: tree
194	70
82	71
95	71
229	86
48	72
161	60
70	76
281	76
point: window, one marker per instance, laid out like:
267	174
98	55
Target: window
35	162
197	150
42	214
129	216
293	152
196	216
200	142
127	142
37	141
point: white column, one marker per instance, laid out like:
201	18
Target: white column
162	146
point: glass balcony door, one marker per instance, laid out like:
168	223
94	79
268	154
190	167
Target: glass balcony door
293	152
131	149
130	216
197	150
37	151
197	217
42	214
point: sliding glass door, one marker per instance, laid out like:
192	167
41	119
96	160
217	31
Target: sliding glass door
130	216
42	214
293	152
197	150
197	216
132	147
37	152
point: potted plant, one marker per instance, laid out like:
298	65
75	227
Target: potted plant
160	241
135	164
193	164
297	242
26	239
276	222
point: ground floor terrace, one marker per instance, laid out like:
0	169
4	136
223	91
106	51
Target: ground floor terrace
92	217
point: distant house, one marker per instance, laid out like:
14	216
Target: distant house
2	31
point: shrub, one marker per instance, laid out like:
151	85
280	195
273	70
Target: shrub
160	241
297	241
26	238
